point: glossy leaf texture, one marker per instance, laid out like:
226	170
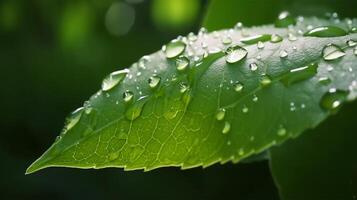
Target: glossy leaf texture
210	98
321	164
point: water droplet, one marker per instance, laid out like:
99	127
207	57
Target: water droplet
355	51
183	87
241	152
87	107
202	31
292	37
260	45
235	54
275	38
238	26
192	37
332	52
113	156
283	54
281	131
300	74
285	19
143	61
128	96
226	127
226	40
253	66
134	111
255	98
220	114
245	109
326	31
73	118
255	39
238	87
324	80
265	81
353	30
114	79
182	63
154	81
351	43
174	49
333	99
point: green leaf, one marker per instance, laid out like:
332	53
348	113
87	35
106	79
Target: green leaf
214	99
321	164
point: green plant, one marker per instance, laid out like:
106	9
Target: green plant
223	96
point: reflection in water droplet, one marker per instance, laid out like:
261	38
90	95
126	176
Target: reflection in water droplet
114	79
285	20
255	39
174	49
325	80
128	96
182	63
275	38
226	127
154	81
220	114
235	54
333	99
332	52
326	31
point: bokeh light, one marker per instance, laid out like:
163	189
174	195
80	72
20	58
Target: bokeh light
120	18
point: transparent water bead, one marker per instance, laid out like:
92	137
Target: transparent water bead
283	54
154	81
255	39
73	118
253	66
284	20
333	99
275	38
114	79
300	74
226	127
332	52
220	114
174	49
351	43
128	96
238	86
182	63
326	31
135	110
235	54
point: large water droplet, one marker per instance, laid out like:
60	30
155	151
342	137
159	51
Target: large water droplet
332	52
220	114
326	31
134	111
226	127
128	96
114	79
154	81
333	99
285	19
275	38
255	39
235	54
182	63
174	49
300	74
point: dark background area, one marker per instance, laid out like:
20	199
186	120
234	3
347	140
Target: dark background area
54	55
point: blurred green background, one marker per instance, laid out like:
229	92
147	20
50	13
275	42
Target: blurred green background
54	55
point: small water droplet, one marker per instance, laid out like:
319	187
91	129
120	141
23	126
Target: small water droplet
154	81
324	80
238	87
355	51
128	96
135	110
281	131
202	31
283	54
235	54
192	37
113	156
253	66
284	20
226	127
300	74
265	81
238	26
241	152
182	63
143	61
114	79
183	87
332	52
226	40
255	39
292	37
260	45
275	38
174	49
73	118
255	98
333	99
326	31
245	109
351	43
220	114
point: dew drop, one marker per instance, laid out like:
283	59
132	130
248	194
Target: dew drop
143	61
255	39
326	31
283	54
235	54
220	114
253	66
275	38
241	152
255	98
183	87
355	51
154	81
265	81
245	109
292	37
332	52
351	43
128	96
73	118
300	74
114	79
182	63
226	127
174	49
284	20
135	110
333	99
325	80
260	45
281	131
238	87
192	37
226	40
238	26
